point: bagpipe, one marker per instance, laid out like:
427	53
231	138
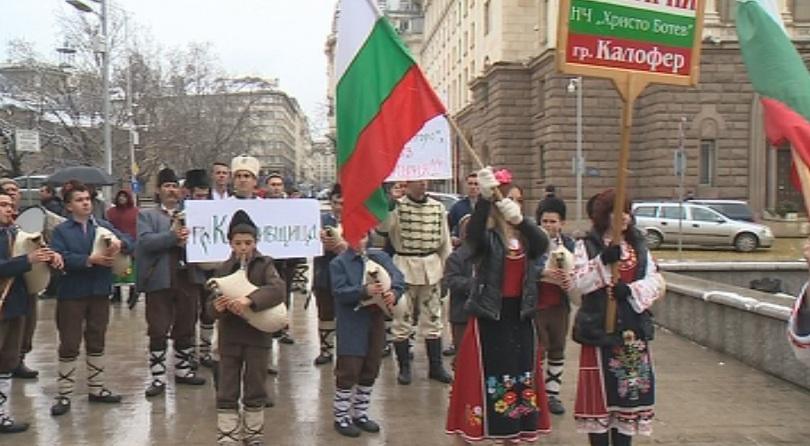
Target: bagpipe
559	258
376	274
237	285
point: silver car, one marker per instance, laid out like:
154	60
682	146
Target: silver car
701	225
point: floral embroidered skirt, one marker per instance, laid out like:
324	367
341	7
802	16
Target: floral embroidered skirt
616	388
499	392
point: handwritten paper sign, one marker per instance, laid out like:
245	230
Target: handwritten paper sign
427	155
287	228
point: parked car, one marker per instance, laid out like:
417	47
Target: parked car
448	200
701	225
29	188
733	209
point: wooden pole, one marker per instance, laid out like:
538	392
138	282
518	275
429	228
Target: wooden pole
804	177
464	141
628	99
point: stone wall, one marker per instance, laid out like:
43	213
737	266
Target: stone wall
745	324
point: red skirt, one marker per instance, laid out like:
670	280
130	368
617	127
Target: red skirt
499	390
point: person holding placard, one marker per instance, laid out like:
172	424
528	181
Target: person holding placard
418	230
333	244
197	188
243	349
616	384
163	274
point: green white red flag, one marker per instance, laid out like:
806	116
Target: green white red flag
779	75
382	101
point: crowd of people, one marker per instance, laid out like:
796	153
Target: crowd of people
512	281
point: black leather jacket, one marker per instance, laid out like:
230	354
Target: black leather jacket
488	254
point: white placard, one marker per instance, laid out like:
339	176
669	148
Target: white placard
26	140
427	155
287	228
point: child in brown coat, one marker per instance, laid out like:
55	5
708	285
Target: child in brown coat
243	349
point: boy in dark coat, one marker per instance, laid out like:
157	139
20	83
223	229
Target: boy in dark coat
458	279
242	348
360	333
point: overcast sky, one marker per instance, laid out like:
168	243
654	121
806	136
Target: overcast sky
281	39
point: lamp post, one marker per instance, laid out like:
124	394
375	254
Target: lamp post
575	85
105	74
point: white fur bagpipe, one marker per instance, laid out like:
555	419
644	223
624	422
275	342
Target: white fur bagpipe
375	273
559	258
36	280
104	238
237	285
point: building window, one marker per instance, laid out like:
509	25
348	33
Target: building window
728	10
472	35
707	161
801	11
487	17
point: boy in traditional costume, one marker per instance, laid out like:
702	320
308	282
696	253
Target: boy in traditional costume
357	276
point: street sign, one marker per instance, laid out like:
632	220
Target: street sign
680	163
656	40
26	140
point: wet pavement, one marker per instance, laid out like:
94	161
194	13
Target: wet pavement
704	398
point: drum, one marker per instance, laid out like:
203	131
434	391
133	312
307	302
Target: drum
37	219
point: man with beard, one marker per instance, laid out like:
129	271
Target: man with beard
162	273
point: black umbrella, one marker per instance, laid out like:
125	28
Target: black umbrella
86	174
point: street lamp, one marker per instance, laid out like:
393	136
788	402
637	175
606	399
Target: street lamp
575	85
105	73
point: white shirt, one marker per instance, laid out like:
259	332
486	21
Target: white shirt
215	195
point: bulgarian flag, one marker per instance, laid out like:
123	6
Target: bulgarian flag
779	75
382	101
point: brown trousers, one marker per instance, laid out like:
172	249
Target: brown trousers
363	370
171	312
202	295
11	334
552	330
325	303
85	316
242	367
30	326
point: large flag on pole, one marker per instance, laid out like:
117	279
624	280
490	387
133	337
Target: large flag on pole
781	78
382	101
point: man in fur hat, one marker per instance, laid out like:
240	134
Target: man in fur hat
245	170
162	273
243	349
197	188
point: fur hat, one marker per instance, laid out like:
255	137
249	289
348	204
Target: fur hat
247	163
551	204
241	224
197	178
166	176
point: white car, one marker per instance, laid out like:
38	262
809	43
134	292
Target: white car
700	225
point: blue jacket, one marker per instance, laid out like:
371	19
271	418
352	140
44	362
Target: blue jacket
346	271
80	280
321	264
16	303
457	212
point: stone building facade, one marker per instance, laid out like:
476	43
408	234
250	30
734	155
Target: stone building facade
521	116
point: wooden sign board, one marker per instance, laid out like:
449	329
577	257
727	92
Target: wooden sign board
646	41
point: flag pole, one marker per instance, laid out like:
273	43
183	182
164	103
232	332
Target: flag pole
804	177
464	141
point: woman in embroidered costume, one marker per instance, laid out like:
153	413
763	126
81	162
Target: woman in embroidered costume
498	392
616	385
